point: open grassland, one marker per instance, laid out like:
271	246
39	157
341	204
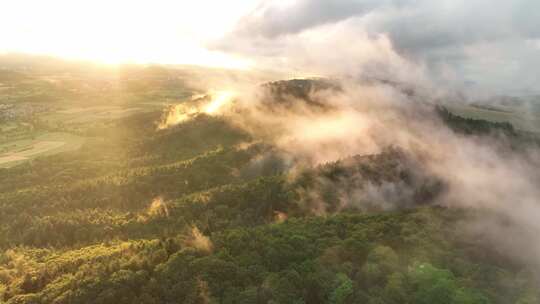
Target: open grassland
521	121
76	114
13	153
31	130
7	127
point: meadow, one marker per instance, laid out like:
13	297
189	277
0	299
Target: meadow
521	120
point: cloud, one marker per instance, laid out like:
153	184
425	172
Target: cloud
478	43
473	45
327	50
271	19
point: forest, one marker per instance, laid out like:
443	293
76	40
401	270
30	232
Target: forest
202	212
269	152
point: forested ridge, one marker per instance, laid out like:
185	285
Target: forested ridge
203	213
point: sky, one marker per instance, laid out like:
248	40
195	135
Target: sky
113	31
479	44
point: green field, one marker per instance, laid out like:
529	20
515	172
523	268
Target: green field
58	127
46	113
7	127
78	115
15	152
522	121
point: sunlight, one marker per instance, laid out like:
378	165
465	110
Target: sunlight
220	99
180	113
112	32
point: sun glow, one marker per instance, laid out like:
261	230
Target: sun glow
220	99
158	31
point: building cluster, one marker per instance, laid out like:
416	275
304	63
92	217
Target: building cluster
14	112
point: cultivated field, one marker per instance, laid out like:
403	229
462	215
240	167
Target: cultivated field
90	114
15	152
520	120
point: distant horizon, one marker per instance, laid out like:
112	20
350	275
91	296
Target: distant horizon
494	46
299	75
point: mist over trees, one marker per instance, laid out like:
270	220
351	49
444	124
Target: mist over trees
193	214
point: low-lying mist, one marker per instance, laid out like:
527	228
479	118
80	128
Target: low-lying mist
310	125
375	100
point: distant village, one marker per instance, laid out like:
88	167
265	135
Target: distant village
15	112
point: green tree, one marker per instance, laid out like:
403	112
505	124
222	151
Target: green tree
343	290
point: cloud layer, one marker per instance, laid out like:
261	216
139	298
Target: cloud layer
476	44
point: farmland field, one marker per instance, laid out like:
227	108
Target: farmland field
45	114
13	153
30	130
521	121
90	114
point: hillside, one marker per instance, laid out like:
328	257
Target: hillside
207	212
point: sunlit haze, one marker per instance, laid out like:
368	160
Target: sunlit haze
270	151
120	31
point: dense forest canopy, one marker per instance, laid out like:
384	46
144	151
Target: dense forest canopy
205	211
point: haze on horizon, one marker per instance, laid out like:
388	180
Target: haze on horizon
168	32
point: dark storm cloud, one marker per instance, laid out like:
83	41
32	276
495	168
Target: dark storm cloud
486	42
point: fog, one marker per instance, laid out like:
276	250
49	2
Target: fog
390	70
479	173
